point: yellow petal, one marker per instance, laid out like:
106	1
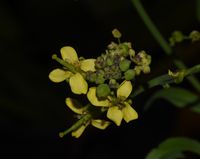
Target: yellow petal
77	133
115	114
101	124
59	75
91	95
69	54
124	89
74	106
129	113
78	84
88	65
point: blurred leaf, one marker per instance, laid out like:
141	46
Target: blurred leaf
196	108
174	146
198	9
174	155
177	96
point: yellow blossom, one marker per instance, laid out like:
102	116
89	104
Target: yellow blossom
76	81
98	123
117	110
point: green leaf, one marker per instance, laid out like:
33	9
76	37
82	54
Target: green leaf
175	155
179	97
174	146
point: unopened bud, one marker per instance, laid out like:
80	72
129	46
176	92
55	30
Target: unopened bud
129	75
124	65
194	36
103	90
116	33
177	76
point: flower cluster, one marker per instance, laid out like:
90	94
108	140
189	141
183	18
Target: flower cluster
107	82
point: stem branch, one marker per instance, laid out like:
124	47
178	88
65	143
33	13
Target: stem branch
165	79
161	40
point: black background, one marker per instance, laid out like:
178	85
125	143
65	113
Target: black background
32	108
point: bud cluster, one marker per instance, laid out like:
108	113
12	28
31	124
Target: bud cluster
119	62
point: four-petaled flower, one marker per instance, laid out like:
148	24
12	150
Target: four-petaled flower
98	123
76	81
119	108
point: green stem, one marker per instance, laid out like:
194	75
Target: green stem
75	126
192	70
161	40
152	28
165	79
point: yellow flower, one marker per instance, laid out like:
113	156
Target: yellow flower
76	81
98	123
117	110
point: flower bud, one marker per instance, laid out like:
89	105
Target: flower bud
100	80
177	76
129	75
113	83
124	50
109	61
146	69
194	36
131	53
116	33
103	90
124	65
176	37
138	70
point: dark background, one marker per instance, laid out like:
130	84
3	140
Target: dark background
32	108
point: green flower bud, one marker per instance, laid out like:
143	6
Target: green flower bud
103	90
194	36
100	79
112	46
116	33
124	50
138	70
131	53
93	77
124	65
113	83
128	44
129	75
178	36
146	69
177	76
109	61
117	75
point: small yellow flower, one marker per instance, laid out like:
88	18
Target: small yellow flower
98	123
76	81
119	111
